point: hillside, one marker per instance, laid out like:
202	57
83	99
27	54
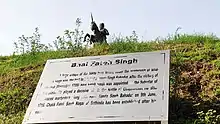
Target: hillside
194	75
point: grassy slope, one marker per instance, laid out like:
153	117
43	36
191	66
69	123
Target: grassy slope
194	75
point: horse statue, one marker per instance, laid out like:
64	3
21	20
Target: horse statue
98	36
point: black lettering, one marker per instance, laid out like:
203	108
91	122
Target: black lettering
73	74
153	100
73	65
103	96
85	73
92	84
112	89
79	64
124	61
145	101
127	101
143	94
65	80
76	97
152	94
83	64
123	76
50	104
139	76
116	102
79	103
107	63
107	102
49	98
138	70
144	81
101	84
146	88
37	112
109	84
62	97
99	63
58	81
97	103
113	95
136	95
111	77
120	83
102	78
103	89
52	87
126	71
71	79
107	72
67	91
100	72
82	91
63	86
83	84
136	82
154	69
60	104
117	61
96	63
148	76
153	88
130	89
51	93
126	95
92	73
41	105
132	76
69	103
118	72
91	96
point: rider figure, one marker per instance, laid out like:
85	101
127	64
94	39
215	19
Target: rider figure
104	32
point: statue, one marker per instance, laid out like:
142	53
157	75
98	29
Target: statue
104	32
99	35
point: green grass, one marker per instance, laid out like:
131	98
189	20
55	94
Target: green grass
190	54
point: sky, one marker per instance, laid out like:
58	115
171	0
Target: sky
149	18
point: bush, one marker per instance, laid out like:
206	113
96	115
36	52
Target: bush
210	117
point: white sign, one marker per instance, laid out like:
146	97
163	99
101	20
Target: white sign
121	87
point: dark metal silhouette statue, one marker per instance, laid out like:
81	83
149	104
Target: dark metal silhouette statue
104	32
99	35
